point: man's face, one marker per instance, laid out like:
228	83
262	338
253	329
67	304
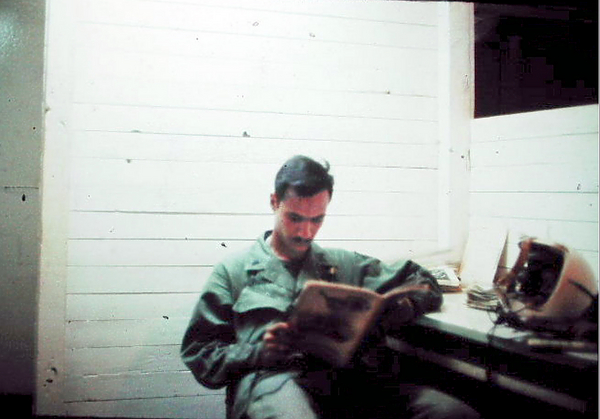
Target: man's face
297	222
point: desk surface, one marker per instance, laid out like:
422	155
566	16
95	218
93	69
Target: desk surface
459	338
456	318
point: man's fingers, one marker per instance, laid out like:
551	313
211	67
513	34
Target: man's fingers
277	328
277	347
270	337
278	333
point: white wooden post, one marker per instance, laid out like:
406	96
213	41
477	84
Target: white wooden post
50	366
455	107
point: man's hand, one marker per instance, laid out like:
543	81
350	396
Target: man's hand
276	345
398	313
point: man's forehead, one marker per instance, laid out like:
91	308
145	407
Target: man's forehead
310	206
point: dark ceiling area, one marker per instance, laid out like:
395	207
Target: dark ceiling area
534	57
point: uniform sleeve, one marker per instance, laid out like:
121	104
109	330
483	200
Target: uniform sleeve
382	278
209	347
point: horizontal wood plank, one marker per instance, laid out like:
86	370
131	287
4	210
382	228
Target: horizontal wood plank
234	44
125	333
545	206
208	252
256	99
246	70
240	200
111	225
226	176
579	149
536	178
151	252
188	407
577	235
126	386
254	124
117	360
173	147
129	306
539	124
256	22
136	279
399	12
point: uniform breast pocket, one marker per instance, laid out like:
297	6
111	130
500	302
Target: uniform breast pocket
258	306
261	295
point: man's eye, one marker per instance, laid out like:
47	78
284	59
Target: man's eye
295	218
317	220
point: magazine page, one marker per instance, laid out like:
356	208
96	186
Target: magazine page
331	319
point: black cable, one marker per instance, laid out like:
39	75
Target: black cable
582	288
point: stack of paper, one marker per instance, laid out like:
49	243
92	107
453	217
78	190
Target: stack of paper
483	299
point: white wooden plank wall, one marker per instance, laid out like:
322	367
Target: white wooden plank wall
181	113
537	173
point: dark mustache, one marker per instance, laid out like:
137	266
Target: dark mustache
300	240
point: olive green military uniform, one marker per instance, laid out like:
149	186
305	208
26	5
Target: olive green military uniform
251	291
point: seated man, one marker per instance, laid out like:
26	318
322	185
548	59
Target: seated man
239	336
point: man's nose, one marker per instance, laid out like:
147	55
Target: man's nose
307	230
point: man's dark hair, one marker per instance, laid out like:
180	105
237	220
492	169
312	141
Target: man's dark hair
306	176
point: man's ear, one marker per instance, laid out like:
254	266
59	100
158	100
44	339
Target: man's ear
274	202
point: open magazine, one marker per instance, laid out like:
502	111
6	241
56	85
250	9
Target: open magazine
330	320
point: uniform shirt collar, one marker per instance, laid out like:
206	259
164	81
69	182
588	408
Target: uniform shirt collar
317	262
